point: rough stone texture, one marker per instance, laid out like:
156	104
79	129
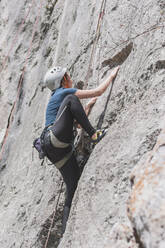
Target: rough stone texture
28	191
121	236
147	200
131	36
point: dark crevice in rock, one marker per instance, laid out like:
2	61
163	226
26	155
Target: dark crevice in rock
18	48
144	84
20	99
118	59
47	52
137	238
120	104
50	7
161	4
56	231
45	26
15	106
101	118
51	200
83	150
145	147
2	167
155	50
132	182
35	93
153	68
28	25
79	85
18	122
160	64
149	142
44	29
20	92
112	117
114	8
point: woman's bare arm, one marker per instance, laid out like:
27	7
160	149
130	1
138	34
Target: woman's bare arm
100	89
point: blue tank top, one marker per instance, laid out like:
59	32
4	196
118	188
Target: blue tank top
54	103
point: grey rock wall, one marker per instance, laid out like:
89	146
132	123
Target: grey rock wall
132	36
146	203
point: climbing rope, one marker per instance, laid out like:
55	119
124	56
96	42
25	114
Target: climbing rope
100	18
54	213
100	48
10	119
16	37
98	28
101	118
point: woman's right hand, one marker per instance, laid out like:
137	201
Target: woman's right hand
114	72
92	102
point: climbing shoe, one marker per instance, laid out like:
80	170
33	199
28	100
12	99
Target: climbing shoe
99	135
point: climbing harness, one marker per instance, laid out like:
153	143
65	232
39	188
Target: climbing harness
46	138
10	119
50	138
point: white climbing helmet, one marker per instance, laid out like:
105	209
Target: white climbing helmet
53	77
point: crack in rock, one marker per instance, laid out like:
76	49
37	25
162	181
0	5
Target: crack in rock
137	238
149	142
56	231
35	93
119	58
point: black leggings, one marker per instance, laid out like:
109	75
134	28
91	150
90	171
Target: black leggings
71	174
70	110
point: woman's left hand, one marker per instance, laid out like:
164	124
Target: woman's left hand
92	102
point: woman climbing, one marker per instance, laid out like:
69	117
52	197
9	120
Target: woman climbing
63	109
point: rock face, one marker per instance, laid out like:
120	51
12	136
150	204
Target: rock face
147	200
38	34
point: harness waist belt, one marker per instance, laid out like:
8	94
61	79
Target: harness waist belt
59	144
56	142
